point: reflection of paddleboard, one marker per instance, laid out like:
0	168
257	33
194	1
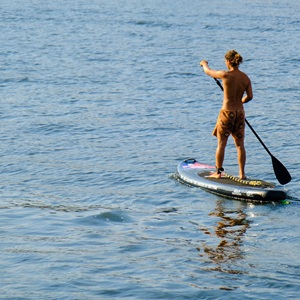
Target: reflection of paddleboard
194	173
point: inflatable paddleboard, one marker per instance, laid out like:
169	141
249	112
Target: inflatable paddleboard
191	172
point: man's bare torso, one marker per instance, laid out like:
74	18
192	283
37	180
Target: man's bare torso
235	84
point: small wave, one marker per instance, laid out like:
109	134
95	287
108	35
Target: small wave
151	23
181	74
13	80
114	216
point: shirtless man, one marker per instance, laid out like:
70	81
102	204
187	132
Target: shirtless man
231	118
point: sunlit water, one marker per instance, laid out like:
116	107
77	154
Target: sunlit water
100	100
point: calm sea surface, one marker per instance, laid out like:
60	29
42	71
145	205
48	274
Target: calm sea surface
100	100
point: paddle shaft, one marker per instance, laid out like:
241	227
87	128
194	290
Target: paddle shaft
258	137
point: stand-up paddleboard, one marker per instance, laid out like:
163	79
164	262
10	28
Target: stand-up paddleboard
192	172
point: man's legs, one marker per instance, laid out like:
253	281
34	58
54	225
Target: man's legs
241	155
220	155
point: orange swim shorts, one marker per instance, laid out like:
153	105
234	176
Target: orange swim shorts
230	122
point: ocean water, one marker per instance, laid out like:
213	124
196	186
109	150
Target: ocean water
100	100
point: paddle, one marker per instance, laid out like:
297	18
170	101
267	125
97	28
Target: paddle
281	173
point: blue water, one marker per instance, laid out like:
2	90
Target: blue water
100	100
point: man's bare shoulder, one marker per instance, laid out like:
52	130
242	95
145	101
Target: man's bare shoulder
224	74
243	74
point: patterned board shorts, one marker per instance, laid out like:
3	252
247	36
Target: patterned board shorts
230	122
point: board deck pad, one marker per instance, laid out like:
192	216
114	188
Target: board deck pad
194	173
230	179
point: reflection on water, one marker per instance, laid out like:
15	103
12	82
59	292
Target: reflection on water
230	228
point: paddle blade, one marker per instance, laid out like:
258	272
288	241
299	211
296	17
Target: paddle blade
281	173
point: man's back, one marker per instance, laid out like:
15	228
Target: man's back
235	84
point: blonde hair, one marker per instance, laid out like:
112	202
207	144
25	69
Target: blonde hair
234	58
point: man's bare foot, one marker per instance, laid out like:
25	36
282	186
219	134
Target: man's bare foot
242	176
215	175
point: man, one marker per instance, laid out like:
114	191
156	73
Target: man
231	118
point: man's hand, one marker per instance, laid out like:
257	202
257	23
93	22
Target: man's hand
203	63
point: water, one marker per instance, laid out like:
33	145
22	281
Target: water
100	100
